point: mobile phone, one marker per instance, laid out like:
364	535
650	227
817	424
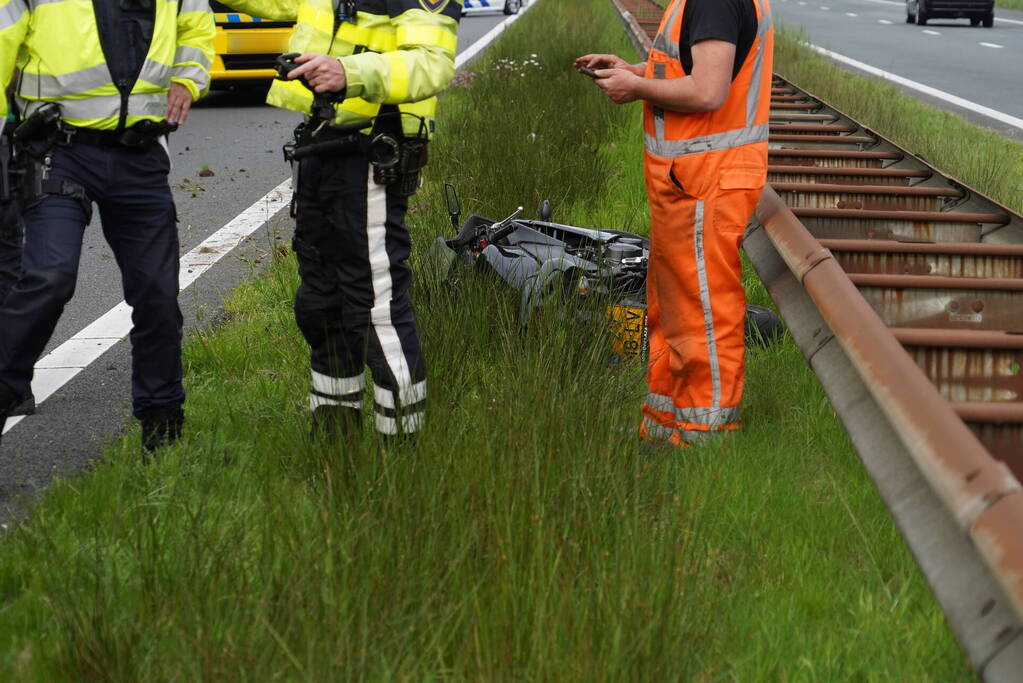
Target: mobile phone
587	72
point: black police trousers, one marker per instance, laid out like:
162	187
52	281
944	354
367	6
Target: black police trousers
11	234
353	303
130	189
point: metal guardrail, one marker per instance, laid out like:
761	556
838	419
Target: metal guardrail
903	288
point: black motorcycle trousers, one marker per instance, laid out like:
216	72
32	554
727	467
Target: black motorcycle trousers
130	189
353	303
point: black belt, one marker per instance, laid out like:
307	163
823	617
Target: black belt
327	140
329	145
91	136
129	137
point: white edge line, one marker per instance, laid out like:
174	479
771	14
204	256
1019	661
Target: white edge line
61	365
926	89
490	36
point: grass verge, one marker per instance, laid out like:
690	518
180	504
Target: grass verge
527	536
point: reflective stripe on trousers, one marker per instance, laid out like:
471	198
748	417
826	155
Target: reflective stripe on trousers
336	391
353	304
696	303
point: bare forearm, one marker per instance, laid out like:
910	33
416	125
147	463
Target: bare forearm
704	89
676	94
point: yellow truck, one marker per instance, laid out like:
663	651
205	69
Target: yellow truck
246	46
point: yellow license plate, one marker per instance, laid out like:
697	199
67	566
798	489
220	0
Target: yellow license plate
630	335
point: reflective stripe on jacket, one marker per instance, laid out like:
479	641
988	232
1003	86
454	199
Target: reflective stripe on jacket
56	45
397	52
741	120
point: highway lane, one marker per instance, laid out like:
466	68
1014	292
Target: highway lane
237	137
975	63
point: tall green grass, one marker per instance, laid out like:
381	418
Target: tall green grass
526	536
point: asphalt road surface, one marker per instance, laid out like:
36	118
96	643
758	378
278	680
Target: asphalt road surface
237	137
978	64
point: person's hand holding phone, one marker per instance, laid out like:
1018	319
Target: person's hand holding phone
596	62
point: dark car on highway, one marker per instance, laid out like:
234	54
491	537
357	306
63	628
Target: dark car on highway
977	11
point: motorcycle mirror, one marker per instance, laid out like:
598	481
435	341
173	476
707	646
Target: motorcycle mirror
454	206
545	210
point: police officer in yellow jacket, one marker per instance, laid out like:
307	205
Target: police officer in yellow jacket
381	62
100	84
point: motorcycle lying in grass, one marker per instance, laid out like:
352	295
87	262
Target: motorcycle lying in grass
543	260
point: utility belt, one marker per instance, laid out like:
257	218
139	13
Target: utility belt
396	159
142	135
45	124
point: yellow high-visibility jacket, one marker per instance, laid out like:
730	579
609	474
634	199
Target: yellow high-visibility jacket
396	52
56	46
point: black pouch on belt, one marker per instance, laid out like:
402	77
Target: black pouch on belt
145	134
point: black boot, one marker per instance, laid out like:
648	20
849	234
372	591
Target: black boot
8	401
26	407
161	425
336	422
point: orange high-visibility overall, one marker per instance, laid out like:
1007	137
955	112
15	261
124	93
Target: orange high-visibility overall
704	175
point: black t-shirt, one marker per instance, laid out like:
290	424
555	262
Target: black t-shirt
733	21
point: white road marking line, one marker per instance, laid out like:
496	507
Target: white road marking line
994	45
926	89
474	49
825	9
930	32
902	4
61	365
802	4
883	21
851	14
